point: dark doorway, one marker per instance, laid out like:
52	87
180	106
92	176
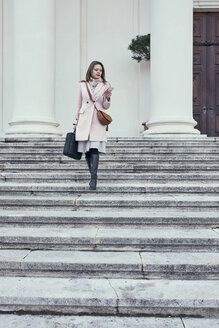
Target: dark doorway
206	72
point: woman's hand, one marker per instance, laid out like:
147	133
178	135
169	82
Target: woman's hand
74	127
107	94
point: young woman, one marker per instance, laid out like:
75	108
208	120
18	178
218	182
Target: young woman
90	133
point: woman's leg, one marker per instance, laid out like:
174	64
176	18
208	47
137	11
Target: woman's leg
87	156
94	161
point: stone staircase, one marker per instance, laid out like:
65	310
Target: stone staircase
140	251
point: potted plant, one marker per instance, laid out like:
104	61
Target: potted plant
140	47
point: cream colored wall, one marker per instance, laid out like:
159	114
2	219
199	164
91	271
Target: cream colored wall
68	60
144	67
1	84
7	61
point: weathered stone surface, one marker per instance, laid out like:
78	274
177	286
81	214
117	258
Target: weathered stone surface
149	138
165	297
11	259
108	238
14	321
112	258
109	264
99	296
59	295
168	181
95	200
109	188
175	258
200	323
72	166
66	176
132	217
35	157
183	263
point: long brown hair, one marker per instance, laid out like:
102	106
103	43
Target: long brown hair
90	69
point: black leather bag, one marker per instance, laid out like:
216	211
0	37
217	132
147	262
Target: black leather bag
71	146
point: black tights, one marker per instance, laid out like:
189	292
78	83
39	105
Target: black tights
91	151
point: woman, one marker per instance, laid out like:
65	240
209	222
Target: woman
90	133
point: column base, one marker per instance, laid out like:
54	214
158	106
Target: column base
171	128
25	127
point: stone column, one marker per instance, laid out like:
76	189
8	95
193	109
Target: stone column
171	68
34	68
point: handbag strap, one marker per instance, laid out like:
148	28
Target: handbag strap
90	96
89	93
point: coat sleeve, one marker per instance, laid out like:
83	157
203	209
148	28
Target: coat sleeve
106	103
78	107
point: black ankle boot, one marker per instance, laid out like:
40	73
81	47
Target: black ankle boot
94	160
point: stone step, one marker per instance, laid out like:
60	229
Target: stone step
93	199
109	296
149	265
152	141
111	150
147	230
120	144
67	188
134	139
129	158
137	157
134	218
124	167
70	321
149	138
117	141
110	238
147	177
53	321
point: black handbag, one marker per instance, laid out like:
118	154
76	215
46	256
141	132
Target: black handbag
71	146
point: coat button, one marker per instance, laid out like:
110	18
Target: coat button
94	101
87	102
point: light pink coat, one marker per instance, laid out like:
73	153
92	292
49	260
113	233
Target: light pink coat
86	119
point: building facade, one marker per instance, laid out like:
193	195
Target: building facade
47	45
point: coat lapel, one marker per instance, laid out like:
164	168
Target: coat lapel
98	88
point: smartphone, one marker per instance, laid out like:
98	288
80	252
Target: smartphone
109	89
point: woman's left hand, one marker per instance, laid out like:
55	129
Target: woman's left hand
107	94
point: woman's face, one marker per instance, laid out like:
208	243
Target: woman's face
97	72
